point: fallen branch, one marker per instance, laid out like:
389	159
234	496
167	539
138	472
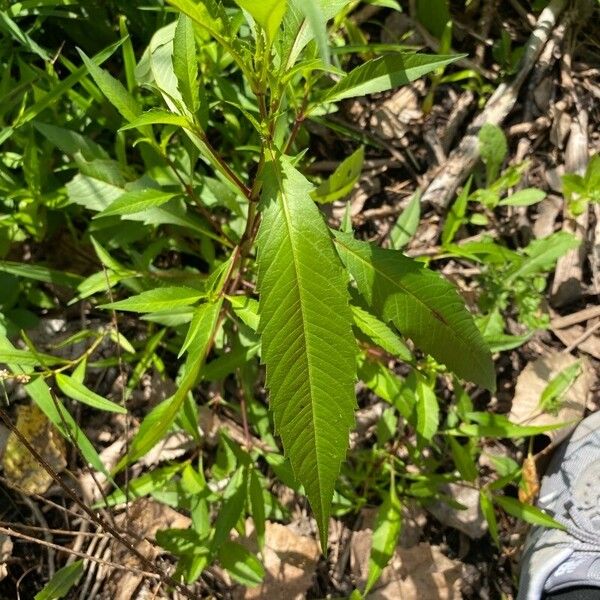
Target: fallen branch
447	177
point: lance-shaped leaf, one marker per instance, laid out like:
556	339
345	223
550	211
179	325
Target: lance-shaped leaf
385	73
422	305
307	341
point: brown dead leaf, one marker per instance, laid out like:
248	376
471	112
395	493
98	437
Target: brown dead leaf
290	562
20	466
530	481
532	382
6	547
570	335
422	572
144	518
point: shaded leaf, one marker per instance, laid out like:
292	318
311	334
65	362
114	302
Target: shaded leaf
62	582
422	305
341	182
385	73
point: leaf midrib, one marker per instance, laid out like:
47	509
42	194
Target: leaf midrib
401	287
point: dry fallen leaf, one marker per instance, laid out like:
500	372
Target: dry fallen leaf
571	335
531	383
6	547
290	561
531	483
144	517
20	466
422	572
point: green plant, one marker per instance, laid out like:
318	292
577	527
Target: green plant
179	177
579	190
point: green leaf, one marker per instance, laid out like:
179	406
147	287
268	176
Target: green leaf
487	508
54	410
385	384
136	201
160	419
141	486
241	564
493	149
113	89
307	340
298	29
246	309
385	536
380	333
525	197
428	411
62	582
407	223
185	63
257	502
557	386
71	142
492	425
341	182
463	460
40	273
72	388
317	22
234	498
422	305
162	298
456	215
267	13
526	512
385	73
25	358
198	321
157	117
542	254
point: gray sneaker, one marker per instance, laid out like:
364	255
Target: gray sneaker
553	559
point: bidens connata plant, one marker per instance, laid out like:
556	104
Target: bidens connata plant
317	287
